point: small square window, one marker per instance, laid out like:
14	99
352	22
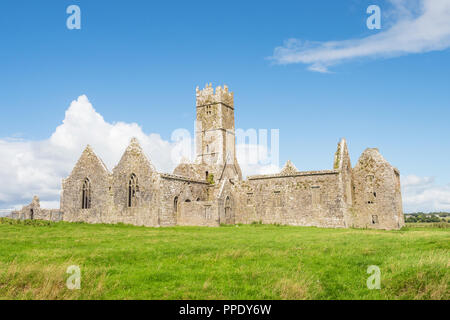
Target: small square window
374	219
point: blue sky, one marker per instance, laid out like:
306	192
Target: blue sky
140	61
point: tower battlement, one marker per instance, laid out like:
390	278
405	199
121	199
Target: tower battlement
208	96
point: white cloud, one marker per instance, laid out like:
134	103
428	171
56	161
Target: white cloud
423	194
255	159
419	26
29	168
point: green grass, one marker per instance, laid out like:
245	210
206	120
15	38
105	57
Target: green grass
229	262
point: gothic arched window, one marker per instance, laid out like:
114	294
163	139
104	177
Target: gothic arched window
133	189
86	195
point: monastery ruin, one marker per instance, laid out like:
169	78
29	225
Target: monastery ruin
210	191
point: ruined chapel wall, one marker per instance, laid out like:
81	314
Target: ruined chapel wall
33	211
343	164
198	213
304	200
377	202
48	214
183	190
142	209
225	196
100	180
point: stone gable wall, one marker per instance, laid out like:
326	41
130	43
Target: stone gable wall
377	202
89	166
144	209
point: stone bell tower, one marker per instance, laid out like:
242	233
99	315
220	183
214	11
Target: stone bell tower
215	132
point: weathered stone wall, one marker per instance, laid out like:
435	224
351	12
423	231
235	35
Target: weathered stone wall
345	184
149	203
33	211
176	190
88	168
302	199
198	213
191	170
225	196
377	203
140	205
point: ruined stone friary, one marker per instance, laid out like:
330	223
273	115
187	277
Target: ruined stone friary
210	191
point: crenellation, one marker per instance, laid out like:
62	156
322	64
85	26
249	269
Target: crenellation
209	96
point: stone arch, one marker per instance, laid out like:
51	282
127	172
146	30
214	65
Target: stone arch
86	194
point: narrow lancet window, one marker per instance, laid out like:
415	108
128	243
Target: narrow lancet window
133	190
175	205
86	194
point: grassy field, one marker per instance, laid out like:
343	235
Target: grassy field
231	262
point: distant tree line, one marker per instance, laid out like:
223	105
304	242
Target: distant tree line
427	217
